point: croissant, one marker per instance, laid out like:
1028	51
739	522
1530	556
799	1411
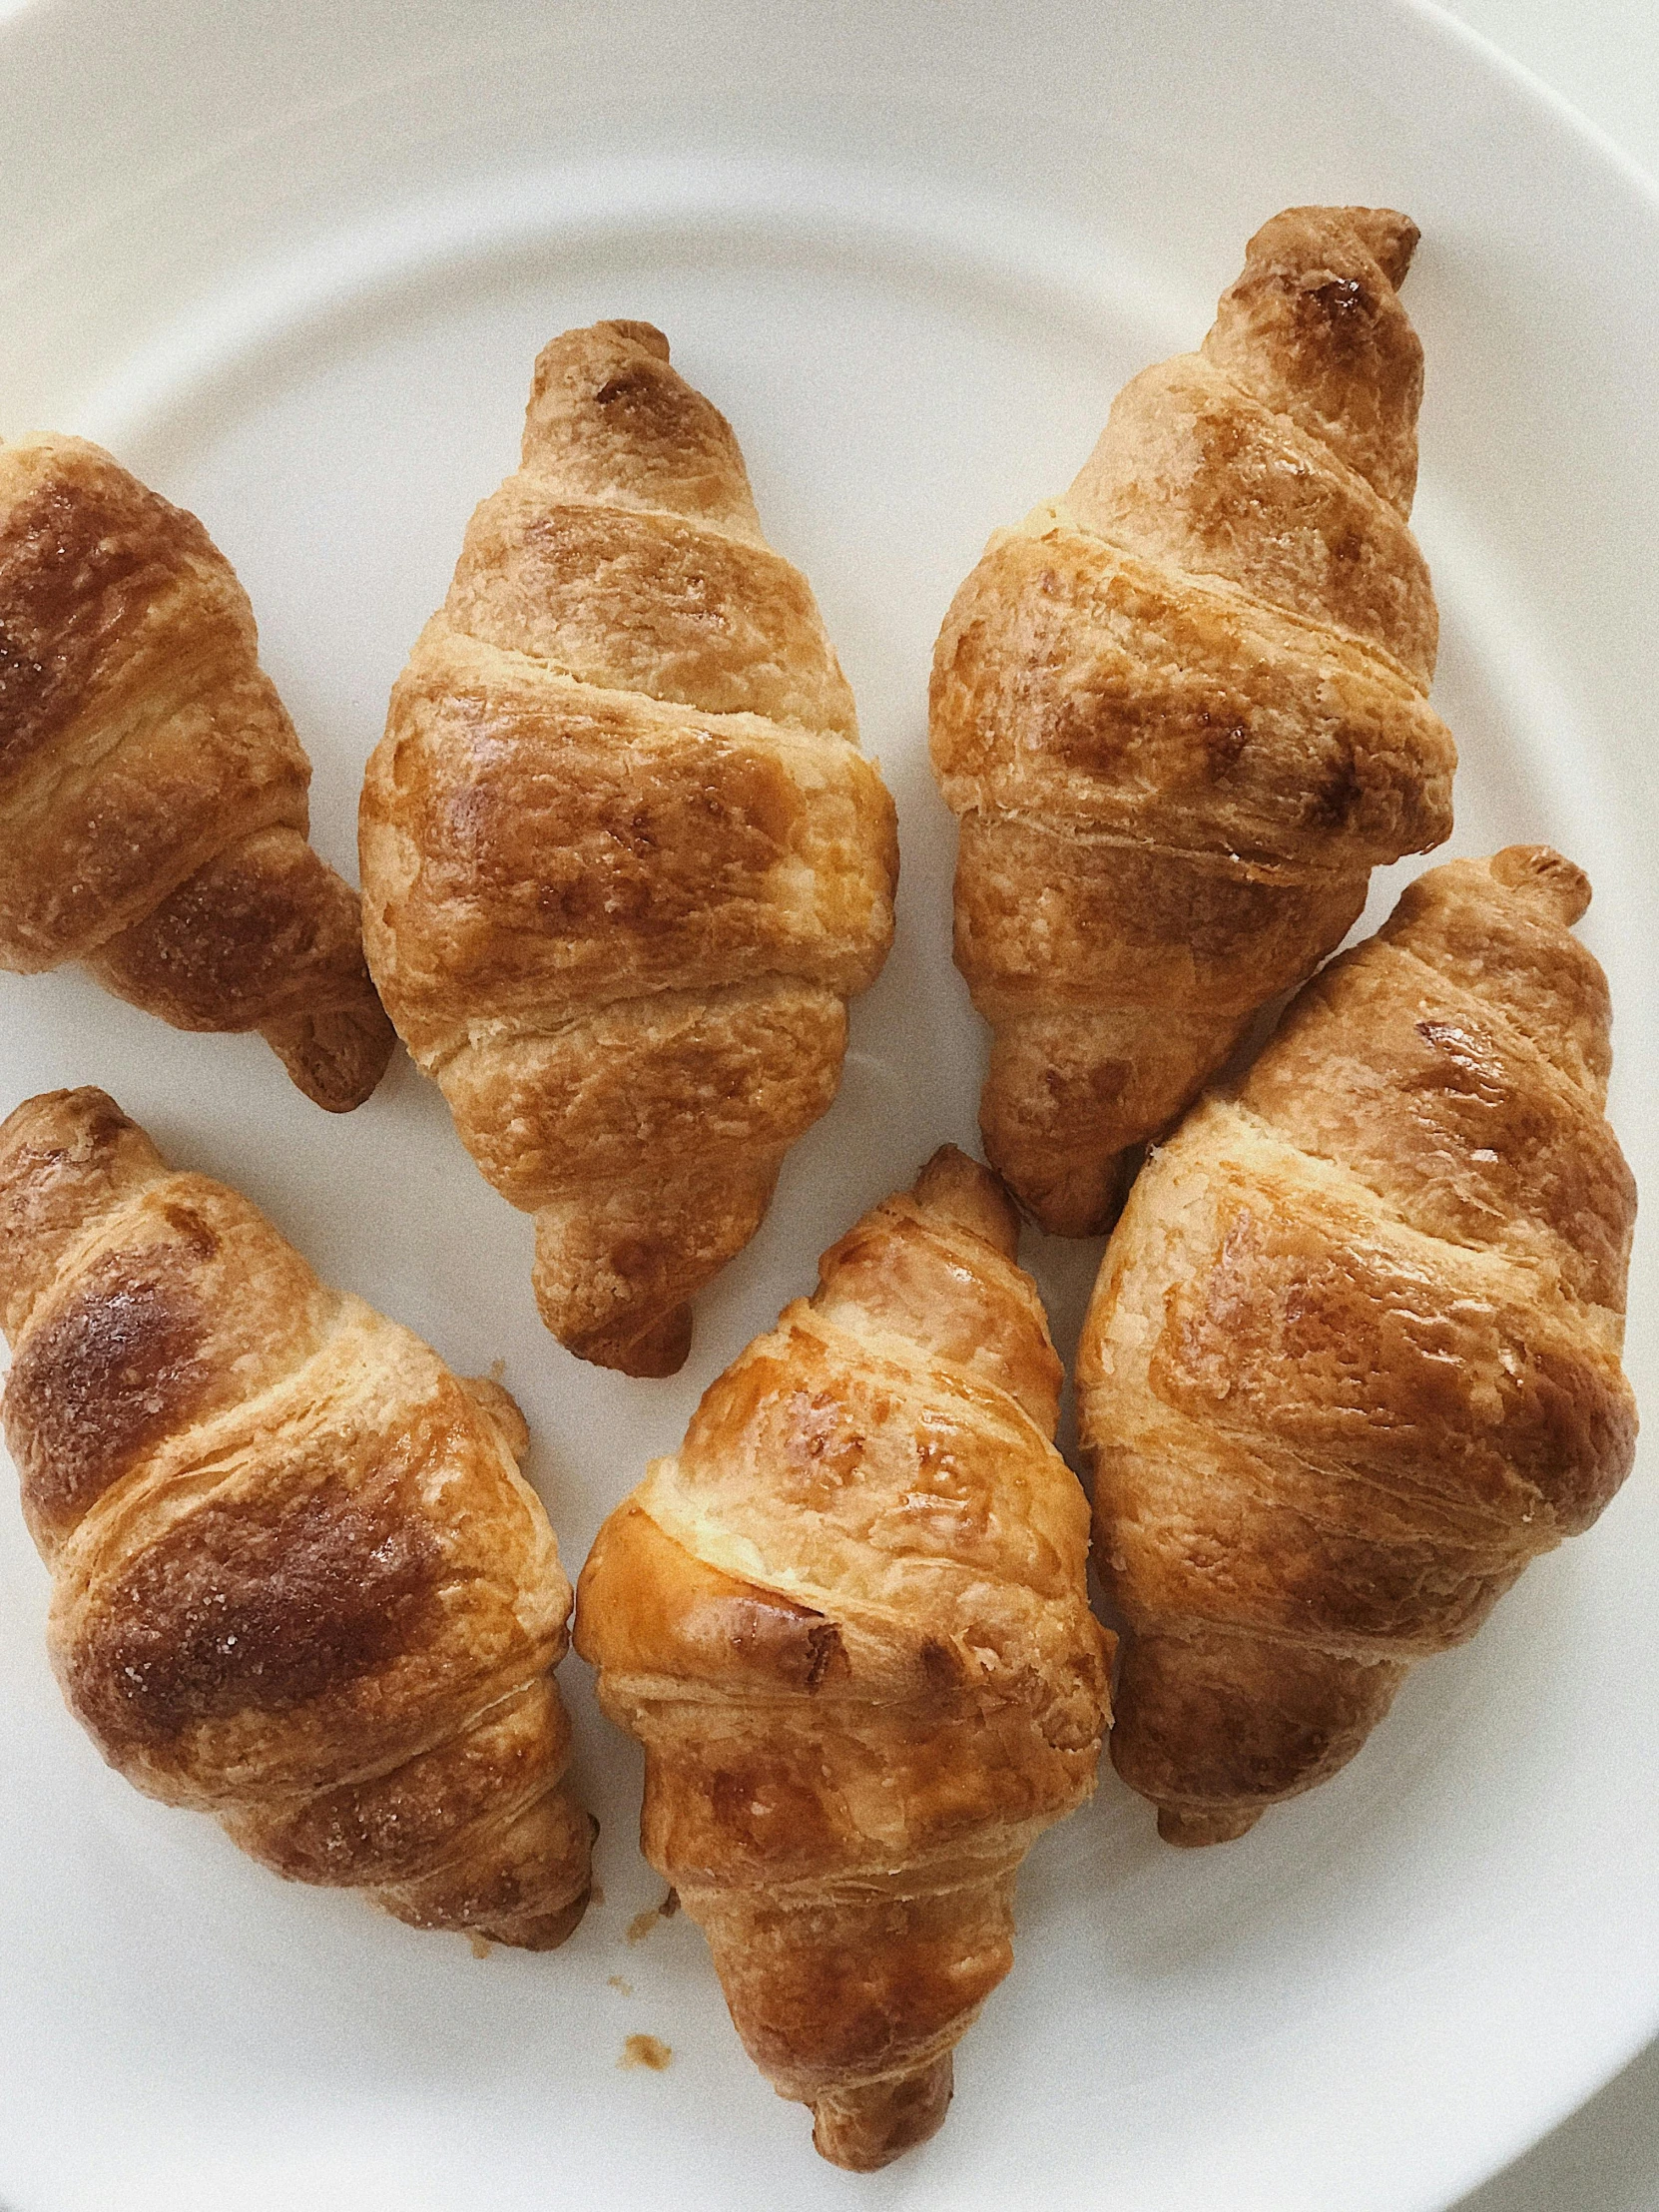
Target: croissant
1182	712
298	1579
623	861
1353	1358
153	809
849	1623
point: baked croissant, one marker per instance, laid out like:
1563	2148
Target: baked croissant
153	808
848	1624
298	1579
1354	1355
1183	712
623	861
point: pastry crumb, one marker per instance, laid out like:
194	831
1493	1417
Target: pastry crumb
481	1944
640	1926
626	1987
645	2050
596	1894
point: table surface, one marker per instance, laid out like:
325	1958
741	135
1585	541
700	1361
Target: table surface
1604	57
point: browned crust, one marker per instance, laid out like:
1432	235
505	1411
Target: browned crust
298	1579
848	1624
1182	712
152	788
88	556
1354	1355
265	936
623	863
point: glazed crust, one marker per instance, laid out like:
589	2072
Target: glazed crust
298	1579
153	811
1182	712
623	861
1354	1355
847	1621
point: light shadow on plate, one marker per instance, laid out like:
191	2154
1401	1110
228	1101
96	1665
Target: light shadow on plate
1601	2160
1170	1917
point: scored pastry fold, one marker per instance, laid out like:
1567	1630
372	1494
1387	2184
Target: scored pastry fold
1353	1358
623	861
153	793
1182	712
298	1579
849	1623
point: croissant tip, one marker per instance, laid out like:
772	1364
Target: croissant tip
1390	238
1077	1201
1548	877
495	1400
87	1107
539	1931
336	1058
659	1350
956	1188
587	351
646	334
1190	1827
870	2124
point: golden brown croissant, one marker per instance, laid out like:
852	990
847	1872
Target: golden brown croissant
153	809
1182	712
848	1624
623	861
1354	1355
298	1579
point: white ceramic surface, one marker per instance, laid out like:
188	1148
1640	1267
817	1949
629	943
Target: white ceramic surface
293	262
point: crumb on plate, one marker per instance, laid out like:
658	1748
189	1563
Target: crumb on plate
645	2050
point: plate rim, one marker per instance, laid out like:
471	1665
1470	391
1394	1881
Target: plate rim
1597	144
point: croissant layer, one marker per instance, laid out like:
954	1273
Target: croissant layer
1182	712
847	1622
623	863
152	811
1353	1358
298	1579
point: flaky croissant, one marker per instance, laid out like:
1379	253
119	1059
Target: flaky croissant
298	1579
152	811
848	1624
1354	1355
623	860
1183	712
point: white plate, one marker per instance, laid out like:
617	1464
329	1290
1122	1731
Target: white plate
293	262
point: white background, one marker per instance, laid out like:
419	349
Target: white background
1602	56
1605	58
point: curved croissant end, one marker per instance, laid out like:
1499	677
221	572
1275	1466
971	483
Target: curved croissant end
623	861
298	1579
1354	1355
151	790
1182	712
847	1621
